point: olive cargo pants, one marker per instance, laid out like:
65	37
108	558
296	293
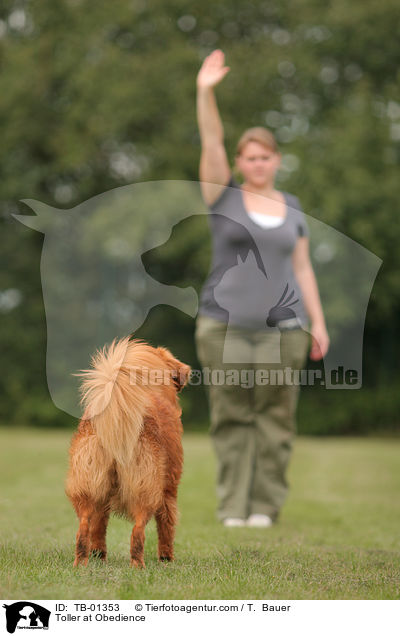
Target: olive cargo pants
252	427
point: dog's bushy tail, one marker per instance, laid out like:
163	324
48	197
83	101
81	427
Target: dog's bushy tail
114	406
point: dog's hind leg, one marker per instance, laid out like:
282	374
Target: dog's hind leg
166	521
98	530
82	537
138	537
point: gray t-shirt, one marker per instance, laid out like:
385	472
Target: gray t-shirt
251	279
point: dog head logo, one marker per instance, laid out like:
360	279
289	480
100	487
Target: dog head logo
96	287
26	615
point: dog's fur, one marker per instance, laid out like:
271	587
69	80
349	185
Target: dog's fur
126	456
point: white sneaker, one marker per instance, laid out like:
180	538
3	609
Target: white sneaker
233	522
259	521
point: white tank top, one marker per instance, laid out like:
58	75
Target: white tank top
265	220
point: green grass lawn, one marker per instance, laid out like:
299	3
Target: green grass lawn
338	536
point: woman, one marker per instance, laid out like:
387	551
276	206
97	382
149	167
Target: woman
260	299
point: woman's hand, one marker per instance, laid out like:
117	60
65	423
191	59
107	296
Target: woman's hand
212	70
320	341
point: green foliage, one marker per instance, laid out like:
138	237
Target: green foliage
97	95
368	410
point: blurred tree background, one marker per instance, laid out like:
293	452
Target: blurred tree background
95	95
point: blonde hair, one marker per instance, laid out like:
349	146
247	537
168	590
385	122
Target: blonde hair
259	134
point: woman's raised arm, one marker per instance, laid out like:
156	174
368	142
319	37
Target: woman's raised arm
214	166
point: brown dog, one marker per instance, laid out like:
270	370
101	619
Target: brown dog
127	454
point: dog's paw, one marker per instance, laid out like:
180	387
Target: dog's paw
138	564
99	554
79	562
